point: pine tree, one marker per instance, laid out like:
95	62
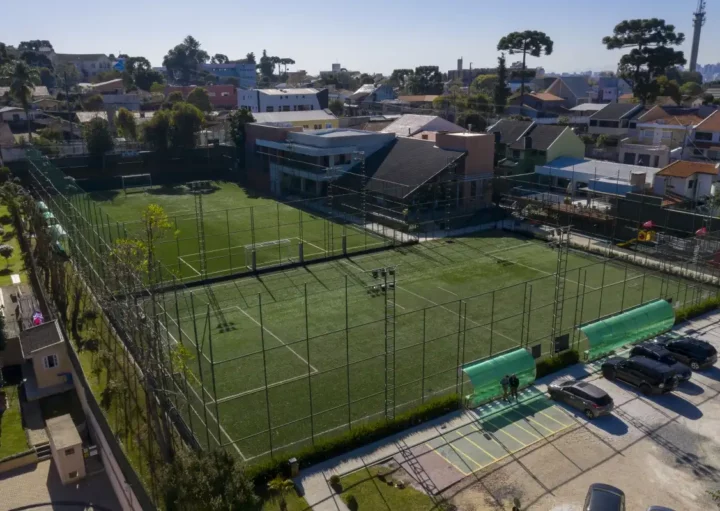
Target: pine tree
502	91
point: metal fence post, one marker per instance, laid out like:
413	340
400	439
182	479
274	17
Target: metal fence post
492	320
422	382
212	375
602	289
200	371
347	353
527	332
227	223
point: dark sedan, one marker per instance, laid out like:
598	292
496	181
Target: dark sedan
603	497
659	353
649	376
586	397
690	351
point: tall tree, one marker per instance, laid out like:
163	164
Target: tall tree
484	83
145	78
691	89
250	58
285	62
669	88
22	79
5	57
187	120
651	53
401	77
34	45
219	58
126	124
238	120
529	42
501	91
266	65
200	98
35	59
98	137
429	80
183	60
156	131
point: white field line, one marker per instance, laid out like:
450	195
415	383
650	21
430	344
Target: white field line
203	314
548	273
189	266
226	249
314	245
222	429
278	338
452	311
446	290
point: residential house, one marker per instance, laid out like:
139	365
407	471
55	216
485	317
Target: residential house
39	92
703	143
369	94
575	90
14	114
542	84
48	104
244	72
691	180
609	89
305	119
114	86
66	448
411	124
537	104
582	174
221	96
580	115
47	369
282	100
521	145
615	119
668	126
418	101
87	64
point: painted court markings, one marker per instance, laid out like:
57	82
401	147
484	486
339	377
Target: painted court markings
499	430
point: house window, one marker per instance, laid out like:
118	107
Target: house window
691	185
50	361
328	125
700	135
269	109
306	126
473	189
666	135
656	161
70	452
593	123
224	94
647	133
317	126
73	474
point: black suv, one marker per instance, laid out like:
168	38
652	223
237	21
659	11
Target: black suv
649	376
692	352
658	353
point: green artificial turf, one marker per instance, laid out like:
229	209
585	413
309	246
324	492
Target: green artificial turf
456	301
233	219
12	434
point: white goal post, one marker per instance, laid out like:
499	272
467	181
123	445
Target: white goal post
268	253
136	183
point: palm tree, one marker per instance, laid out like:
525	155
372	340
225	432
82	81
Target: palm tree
281	487
23	79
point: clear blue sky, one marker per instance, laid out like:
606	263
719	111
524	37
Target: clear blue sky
369	35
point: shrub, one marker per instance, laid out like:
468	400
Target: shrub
691	311
557	362
325	449
350	501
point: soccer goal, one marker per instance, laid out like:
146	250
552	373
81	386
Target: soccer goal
268	253
136	183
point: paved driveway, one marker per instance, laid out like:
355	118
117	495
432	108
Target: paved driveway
39	488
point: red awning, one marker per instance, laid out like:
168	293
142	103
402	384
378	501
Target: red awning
701	232
648	225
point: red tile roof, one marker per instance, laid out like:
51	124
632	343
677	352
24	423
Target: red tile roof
684	169
711	122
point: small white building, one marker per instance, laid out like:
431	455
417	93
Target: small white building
692	180
282	100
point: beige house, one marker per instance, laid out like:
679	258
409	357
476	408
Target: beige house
47	369
658	126
66	448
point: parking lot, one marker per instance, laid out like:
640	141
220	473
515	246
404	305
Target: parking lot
660	450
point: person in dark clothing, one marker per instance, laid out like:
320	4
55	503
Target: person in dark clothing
514	384
505	382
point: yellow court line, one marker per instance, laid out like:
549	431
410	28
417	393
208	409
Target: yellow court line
554	419
496	441
476	445
460	451
523	417
536	435
436	451
513	437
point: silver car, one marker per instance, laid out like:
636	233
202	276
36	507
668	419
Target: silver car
586	397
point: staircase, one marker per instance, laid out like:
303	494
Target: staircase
417	471
43	451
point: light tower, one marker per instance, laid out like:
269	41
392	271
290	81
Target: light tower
698	22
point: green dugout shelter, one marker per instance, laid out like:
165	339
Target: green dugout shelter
631	326
485	375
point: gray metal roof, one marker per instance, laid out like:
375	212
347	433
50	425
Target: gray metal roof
304	115
40	337
578	85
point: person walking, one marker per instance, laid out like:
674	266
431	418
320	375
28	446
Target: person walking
505	382
514	384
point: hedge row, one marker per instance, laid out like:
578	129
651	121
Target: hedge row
557	362
359	436
692	311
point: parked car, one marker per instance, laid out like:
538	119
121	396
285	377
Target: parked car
586	397
659	508
649	376
657	352
690	351
603	497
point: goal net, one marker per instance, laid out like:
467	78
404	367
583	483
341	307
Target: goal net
136	183
268	253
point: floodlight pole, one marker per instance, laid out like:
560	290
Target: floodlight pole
389	284
563	246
